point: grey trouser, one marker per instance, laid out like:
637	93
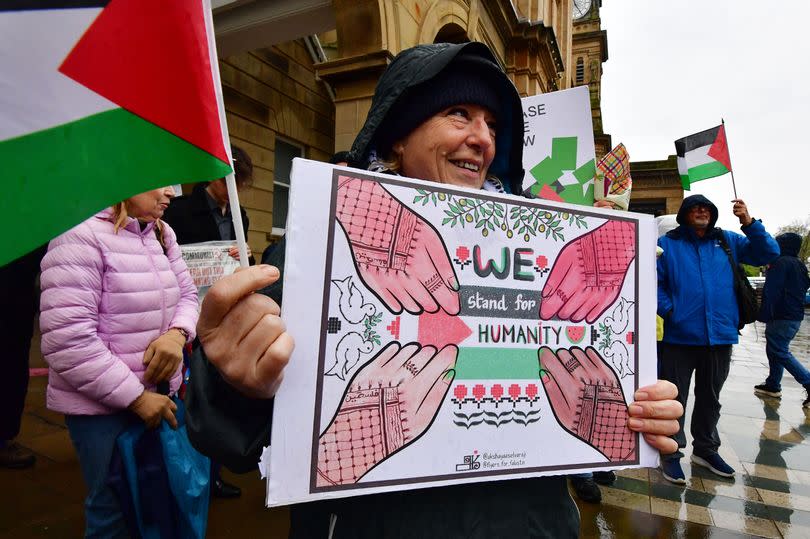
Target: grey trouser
710	364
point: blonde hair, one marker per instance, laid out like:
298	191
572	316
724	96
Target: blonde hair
119	218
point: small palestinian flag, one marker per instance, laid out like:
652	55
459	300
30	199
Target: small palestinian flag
702	156
101	100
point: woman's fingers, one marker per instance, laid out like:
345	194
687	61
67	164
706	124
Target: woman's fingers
664	444
222	343
270	367
660	390
666	409
666	427
228	291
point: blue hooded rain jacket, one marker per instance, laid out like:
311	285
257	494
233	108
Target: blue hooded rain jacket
695	281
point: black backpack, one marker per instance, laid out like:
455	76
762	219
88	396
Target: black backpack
746	297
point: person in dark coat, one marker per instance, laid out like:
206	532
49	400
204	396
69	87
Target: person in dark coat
441	112
205	214
20	298
782	310
697	301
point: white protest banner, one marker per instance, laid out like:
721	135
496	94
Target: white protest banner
208	262
558	148
445	335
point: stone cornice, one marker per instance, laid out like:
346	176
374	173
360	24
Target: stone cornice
337	70
600	35
517	31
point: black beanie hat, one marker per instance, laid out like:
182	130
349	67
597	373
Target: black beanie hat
467	80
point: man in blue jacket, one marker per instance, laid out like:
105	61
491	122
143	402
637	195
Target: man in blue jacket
696	299
782	311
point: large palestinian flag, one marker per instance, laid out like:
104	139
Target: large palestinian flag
702	156
101	100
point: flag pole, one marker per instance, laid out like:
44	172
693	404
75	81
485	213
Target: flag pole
230	179
236	217
733	183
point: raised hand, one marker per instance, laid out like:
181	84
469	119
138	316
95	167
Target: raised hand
399	257
242	333
588	400
740	210
390	402
588	273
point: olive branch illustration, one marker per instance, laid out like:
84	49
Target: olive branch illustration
490	216
369	334
606	341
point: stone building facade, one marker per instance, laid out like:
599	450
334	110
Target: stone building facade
298	75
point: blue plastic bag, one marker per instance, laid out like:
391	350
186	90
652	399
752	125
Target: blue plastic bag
189	476
162	481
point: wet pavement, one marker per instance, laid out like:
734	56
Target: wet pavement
764	439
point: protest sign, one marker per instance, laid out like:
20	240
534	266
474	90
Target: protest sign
446	335
207	262
558	148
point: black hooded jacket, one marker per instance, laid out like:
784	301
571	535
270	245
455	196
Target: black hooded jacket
519	509
786	283
418	65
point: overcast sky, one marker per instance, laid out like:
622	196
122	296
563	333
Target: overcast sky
678	67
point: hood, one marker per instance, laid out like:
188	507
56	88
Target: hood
420	64
694	200
665	223
789	243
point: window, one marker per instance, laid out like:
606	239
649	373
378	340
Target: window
580	76
285	152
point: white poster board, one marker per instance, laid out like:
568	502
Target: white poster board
558	148
547	328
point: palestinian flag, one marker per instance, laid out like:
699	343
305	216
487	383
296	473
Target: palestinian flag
101	100
703	155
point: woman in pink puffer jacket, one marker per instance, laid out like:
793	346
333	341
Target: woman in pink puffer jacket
117	307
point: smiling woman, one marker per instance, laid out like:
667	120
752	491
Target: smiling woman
454	146
445	113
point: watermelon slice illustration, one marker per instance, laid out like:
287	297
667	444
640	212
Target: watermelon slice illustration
575	334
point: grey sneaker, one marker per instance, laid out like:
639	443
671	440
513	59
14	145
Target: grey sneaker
765	389
715	464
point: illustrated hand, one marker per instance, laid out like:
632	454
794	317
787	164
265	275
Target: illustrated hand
242	333
588	273
399	257
390	402
655	415
153	407
741	212
233	252
588	400
163	356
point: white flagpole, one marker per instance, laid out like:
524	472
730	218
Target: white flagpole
733	183
236	216
230	180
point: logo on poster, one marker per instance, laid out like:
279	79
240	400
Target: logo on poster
491	460
470	462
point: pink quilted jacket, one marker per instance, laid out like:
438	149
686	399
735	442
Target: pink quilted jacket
105	297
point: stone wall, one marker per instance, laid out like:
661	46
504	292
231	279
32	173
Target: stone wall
270	93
